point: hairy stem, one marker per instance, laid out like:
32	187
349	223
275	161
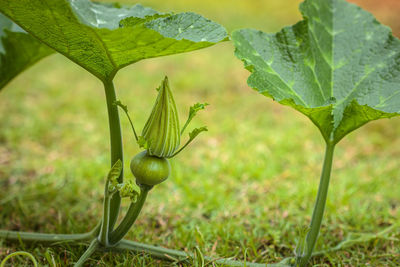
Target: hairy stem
116	147
130	217
89	251
319	207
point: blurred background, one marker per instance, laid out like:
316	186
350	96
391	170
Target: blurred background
246	185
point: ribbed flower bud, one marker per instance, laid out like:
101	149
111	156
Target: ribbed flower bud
161	132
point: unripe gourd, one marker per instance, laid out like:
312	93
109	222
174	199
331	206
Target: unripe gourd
149	170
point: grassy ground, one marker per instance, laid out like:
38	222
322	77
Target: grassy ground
245	186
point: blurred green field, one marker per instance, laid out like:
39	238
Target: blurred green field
243	187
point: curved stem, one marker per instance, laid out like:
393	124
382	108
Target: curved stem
89	251
182	148
52	238
19	253
125	109
116	147
130	217
319	207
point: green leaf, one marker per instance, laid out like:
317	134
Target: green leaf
339	66
196	131
114	173
127	189
192	113
18	50
133	21
104	38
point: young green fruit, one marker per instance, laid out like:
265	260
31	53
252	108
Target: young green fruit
149	170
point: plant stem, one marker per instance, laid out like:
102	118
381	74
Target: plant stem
319	207
182	148
125	109
176	255
116	147
89	251
130	217
52	238
19	253
155	251
104	230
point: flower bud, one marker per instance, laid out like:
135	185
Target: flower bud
161	132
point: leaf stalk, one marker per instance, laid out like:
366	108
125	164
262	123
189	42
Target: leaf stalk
116	148
319	207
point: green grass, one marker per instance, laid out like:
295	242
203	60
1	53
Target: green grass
246	185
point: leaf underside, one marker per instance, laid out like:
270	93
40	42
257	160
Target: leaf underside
18	50
103	38
339	66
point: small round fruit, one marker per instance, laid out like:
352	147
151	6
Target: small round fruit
149	170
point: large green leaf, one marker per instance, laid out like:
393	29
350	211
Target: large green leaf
18	50
338	66
104	38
